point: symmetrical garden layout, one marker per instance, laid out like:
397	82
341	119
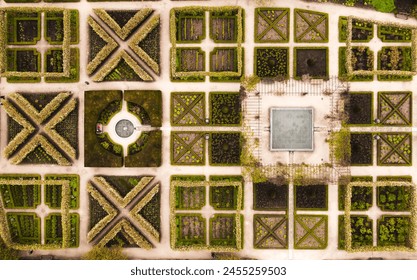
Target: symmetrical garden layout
270	131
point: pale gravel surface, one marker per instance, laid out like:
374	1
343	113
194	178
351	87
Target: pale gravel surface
163	83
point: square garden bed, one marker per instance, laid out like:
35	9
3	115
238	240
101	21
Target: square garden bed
395	108
359	107
362	58
311	197
225	148
395	59
225	108
361	148
313	62
272	62
272	25
270	196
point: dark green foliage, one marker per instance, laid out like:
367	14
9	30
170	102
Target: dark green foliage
225	108
225	148
362	31
97	212
311	197
361	147
394	198
385	6
362	59
151	44
223	230
39	156
389	33
361	196
147	153
57	65
394	231
190	198
359	107
395	59
7	253
20	196
111	109
191	230
24	228
270	196
313	62
271	62
53	229
53	193
122	72
361	227
150	101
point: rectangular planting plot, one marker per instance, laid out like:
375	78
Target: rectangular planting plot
361	196
313	197
362	31
191	28
25	228
362	232
359	107
272	25
394	231
23	28
225	108
191	230
190	198
310	232
362	58
223	27
361	148
270	196
313	62
395	59
54	232
225	148
188	108
223	197
389	33
272	62
394	197
394	149
226	231
311	26
395	108
190	59
188	148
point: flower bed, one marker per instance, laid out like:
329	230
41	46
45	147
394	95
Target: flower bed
270	232
313	62
312	197
361	230
54	233
395	59
394	231
20	196
362	58
269	196
361	196
389	33
272	62
362	31
225	148
187	108
395	108
24	228
223	230
394	149
225	108
361	148
188	148
310	232
359	108
53	193
394	198
311	26
272	25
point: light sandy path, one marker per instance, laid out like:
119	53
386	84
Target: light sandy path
163	83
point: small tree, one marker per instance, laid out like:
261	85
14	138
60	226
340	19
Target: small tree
385	6
103	253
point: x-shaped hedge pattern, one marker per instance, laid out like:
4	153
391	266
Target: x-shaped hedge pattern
52	142
272	25
310	232
270	232
118	221
395	108
311	27
394	149
188	148
188	108
135	33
